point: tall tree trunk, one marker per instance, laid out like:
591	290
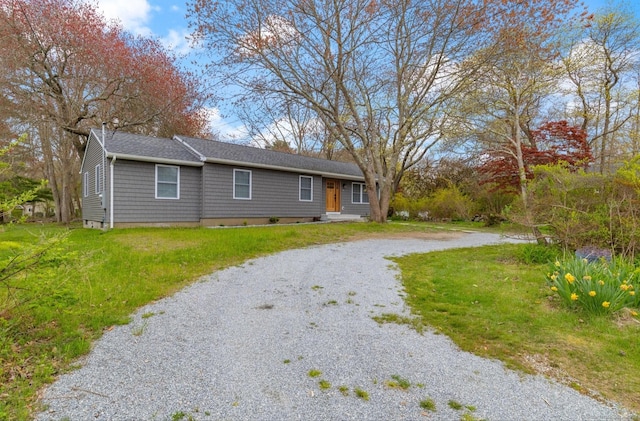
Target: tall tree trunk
68	168
44	133
522	175
65	200
604	141
376	214
60	166
635	131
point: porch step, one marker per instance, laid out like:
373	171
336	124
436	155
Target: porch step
338	217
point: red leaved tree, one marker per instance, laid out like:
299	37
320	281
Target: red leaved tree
65	69
552	143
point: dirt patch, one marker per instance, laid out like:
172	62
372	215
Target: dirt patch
627	317
438	236
542	365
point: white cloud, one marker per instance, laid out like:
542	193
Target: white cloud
177	41
226	131
275	32
134	15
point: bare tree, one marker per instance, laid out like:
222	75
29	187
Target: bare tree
271	119
379	75
599	62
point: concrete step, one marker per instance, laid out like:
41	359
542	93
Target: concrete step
336	217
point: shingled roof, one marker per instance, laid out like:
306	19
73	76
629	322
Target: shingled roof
233	154
146	148
193	151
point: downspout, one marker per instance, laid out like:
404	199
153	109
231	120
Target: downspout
104	158
202	193
103	176
111	169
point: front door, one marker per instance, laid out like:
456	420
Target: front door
333	196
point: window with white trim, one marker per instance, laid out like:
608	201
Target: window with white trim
85	184
359	193
306	189
242	184
167	182
98	180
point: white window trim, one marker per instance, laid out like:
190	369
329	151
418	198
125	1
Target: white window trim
362	190
250	184
300	189
85	184
164	182
98	180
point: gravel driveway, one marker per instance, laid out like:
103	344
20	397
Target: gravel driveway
240	345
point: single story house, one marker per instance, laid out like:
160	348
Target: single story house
133	180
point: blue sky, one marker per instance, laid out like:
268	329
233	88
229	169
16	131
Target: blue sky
166	20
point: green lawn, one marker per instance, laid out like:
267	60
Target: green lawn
488	302
493	305
96	279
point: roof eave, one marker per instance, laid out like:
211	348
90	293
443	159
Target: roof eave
280	168
84	155
169	161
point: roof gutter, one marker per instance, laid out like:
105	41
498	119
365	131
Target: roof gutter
279	168
154	160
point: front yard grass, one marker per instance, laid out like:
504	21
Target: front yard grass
493	305
487	302
50	316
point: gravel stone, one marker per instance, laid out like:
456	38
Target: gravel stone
239	345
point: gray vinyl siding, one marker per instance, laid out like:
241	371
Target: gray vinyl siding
353	208
91	206
273	193
135	189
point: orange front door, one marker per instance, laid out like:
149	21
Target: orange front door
333	196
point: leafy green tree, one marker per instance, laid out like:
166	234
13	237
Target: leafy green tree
587	209
15	190
21	259
449	203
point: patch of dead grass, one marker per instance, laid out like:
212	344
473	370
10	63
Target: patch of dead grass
626	318
414	235
152	243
